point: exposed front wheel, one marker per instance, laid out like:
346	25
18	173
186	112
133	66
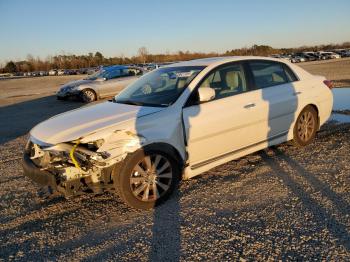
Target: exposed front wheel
146	178
306	126
88	95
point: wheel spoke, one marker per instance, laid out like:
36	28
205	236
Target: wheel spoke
156	162
141	188
148	162
165	166
165	175
146	193
155	191
163	186
309	116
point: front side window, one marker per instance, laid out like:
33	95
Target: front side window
226	81
267	73
105	73
160	87
113	74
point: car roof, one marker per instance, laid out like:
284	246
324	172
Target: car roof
221	60
115	67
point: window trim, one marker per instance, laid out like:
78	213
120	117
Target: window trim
249	82
295	76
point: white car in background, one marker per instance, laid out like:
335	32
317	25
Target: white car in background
105	83
53	72
329	55
177	122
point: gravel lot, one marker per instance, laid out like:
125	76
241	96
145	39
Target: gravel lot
337	70
281	203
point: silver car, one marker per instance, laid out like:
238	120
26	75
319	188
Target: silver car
105	83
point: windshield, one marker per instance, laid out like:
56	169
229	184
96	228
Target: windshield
160	87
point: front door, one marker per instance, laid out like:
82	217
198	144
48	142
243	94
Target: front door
227	123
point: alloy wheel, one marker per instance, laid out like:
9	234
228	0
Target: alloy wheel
306	126
89	96
151	178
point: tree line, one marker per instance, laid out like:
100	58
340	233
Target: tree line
143	56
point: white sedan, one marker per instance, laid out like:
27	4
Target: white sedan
176	122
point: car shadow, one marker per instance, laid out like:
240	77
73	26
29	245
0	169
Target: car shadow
17	119
321	215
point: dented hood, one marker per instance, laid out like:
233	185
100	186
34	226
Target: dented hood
78	123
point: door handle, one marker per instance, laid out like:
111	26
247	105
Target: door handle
249	105
296	93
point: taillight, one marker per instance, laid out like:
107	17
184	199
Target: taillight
328	83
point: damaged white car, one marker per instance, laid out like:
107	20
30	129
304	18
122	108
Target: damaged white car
177	122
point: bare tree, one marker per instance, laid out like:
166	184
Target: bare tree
142	54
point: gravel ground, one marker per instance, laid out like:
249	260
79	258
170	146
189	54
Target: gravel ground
337	70
280	203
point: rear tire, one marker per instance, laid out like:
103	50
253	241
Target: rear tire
146	178
306	126
88	95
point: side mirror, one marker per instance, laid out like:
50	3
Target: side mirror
101	79
206	94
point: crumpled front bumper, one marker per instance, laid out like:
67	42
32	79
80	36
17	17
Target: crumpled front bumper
41	177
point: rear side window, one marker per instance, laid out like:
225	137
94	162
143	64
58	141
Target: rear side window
290	75
131	72
268	73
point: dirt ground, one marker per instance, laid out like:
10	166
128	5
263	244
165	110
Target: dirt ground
282	203
24	89
337	70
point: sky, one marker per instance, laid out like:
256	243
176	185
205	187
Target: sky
120	27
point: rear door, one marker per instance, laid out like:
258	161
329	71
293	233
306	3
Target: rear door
121	79
278	92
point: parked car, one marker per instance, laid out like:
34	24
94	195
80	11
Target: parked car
83	70
104	83
346	53
328	55
177	122
61	72
92	70
332	55
53	72
297	59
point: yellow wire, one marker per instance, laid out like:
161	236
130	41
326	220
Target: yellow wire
71	154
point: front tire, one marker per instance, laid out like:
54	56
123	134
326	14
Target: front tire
306	126
146	178
88	95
